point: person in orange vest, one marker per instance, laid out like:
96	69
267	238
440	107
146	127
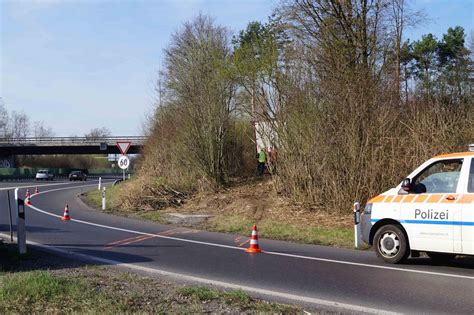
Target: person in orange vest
272	159
261	160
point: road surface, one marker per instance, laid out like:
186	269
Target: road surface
308	275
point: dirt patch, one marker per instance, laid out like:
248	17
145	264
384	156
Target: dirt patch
258	200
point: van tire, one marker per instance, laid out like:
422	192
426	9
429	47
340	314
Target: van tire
391	244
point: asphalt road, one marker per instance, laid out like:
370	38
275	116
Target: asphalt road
313	276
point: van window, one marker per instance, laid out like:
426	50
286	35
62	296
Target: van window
440	177
470	186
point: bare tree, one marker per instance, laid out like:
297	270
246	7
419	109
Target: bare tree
98	133
4	121
19	125
40	130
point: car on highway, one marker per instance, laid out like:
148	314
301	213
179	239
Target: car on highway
77	175
44	175
430	211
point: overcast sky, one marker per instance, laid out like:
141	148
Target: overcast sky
81	64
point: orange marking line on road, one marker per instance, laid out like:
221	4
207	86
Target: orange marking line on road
241	244
238	238
189	232
146	237
129	241
125	240
170	232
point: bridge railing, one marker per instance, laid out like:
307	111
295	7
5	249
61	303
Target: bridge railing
70	140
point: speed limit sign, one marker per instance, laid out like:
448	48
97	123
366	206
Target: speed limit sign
123	162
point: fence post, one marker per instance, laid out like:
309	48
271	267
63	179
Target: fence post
103	198
20	223
357	231
10	214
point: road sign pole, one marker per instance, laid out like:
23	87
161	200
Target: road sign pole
123	172
20	224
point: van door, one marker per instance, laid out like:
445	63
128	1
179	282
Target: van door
467	202
429	214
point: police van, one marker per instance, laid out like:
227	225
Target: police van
431	211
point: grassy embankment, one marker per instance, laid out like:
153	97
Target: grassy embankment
289	226
39	283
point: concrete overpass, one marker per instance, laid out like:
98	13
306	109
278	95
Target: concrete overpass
65	145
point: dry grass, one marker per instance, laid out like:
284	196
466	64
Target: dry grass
236	208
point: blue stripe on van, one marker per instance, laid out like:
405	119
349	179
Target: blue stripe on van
431	222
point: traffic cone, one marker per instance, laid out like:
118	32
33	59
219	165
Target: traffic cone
37	190
27	197
28	200
66	216
253	247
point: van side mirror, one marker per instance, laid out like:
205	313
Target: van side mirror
406	184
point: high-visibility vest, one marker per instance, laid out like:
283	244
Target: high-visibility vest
261	157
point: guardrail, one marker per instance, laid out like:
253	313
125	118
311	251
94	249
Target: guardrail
70	140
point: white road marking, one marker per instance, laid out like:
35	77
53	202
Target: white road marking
37	185
343	262
297	298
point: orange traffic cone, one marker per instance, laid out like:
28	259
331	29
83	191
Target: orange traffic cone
66	216
27	197
28	200
37	190
253	247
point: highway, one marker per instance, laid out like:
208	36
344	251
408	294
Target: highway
312	276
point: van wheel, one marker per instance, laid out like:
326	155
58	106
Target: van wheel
391	244
440	258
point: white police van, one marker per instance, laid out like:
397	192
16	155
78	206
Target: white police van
432	211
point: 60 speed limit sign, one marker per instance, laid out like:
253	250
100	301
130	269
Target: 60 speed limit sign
123	162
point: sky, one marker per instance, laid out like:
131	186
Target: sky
83	64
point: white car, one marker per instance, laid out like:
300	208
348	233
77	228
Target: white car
44	175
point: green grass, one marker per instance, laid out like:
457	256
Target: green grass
268	228
200	293
236	298
30	292
94	197
40	292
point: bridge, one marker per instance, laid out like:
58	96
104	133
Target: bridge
65	145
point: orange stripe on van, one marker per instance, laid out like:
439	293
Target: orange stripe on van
397	198
409	198
420	198
454	155
434	198
389	199
469	198
376	199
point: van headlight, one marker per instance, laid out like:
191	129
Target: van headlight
368	208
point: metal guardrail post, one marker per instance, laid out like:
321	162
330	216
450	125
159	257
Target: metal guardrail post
20	224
